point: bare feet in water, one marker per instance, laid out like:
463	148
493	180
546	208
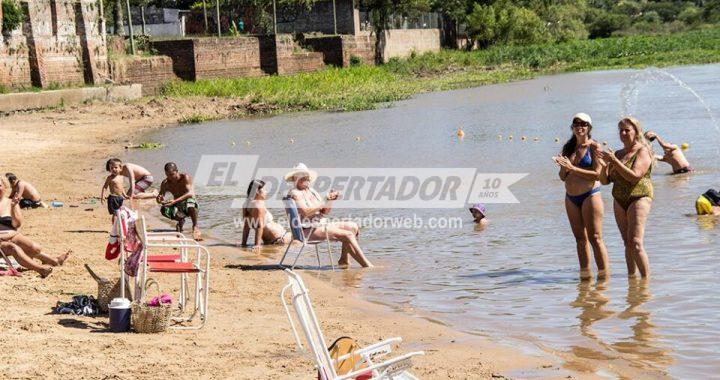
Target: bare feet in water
196	234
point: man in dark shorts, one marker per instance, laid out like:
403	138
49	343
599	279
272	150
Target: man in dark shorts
183	203
24	192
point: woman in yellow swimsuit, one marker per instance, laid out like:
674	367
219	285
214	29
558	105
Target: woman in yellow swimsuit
629	171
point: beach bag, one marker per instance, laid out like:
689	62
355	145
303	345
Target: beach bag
343	346
150	319
107	290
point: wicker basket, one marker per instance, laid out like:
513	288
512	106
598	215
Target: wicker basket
107	290
150	319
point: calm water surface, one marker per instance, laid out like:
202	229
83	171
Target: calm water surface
518	280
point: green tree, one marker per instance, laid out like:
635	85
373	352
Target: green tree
565	22
482	25
382	10
12	16
690	15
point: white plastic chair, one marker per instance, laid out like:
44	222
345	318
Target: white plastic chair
395	368
298	234
192	259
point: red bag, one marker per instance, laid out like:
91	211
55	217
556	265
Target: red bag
112	250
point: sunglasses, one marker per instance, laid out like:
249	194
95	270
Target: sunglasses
580	124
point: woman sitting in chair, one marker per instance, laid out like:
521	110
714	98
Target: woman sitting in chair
313	208
13	243
258	218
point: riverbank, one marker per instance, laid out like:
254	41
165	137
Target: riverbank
62	152
363	87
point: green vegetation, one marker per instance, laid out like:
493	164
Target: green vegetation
362	87
195	119
150	145
12	15
502	22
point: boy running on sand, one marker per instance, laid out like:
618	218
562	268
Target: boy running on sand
140	179
24	193
114	182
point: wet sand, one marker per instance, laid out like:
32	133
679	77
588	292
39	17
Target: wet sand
62	152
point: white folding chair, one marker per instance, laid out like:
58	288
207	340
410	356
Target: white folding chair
192	259
11	270
296	229
395	368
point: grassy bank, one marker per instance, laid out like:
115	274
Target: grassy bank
362	87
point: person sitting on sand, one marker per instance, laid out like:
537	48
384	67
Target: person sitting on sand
313	208
580	172
257	217
708	203
114	182
139	177
478	212
672	154
24	192
15	244
183	203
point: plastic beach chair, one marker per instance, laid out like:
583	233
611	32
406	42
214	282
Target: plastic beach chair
11	270
297	229
395	368
188	258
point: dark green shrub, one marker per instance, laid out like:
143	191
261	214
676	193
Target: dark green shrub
13	16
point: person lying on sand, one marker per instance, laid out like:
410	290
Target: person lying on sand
312	208
140	179
257	217
672	155
183	203
15	244
24	192
708	203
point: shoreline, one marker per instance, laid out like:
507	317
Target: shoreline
61	152
67	149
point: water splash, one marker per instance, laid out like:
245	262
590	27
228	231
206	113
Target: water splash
631	90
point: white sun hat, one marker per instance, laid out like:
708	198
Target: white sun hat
583	116
300	169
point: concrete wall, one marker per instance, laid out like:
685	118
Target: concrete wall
44	99
151	72
319	18
58	44
401	43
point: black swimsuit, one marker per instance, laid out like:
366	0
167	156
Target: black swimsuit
6	221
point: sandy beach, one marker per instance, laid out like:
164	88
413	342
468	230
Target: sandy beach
62	152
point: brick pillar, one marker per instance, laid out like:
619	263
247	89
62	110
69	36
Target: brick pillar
92	48
38	76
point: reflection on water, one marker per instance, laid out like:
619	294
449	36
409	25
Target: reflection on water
517	280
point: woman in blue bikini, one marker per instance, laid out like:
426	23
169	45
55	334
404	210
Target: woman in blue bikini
580	170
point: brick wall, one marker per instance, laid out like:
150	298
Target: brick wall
211	57
331	48
361	45
151	72
319	18
58	44
292	58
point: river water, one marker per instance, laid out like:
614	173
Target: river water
516	281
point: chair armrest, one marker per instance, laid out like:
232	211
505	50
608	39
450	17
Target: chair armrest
384	366
377	349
